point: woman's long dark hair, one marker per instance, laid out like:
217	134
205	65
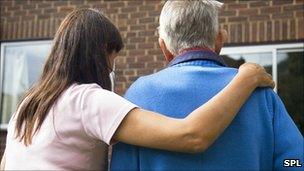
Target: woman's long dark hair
79	54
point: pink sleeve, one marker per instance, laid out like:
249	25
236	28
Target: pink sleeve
103	111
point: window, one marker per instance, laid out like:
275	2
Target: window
286	64
21	66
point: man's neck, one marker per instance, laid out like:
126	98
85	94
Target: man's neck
195	49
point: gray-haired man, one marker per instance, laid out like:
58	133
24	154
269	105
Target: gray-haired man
261	136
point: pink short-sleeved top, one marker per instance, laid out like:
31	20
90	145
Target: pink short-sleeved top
75	134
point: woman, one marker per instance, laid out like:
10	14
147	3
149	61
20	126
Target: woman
68	117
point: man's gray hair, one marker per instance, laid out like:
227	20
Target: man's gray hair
189	23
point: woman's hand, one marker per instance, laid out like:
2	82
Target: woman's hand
255	74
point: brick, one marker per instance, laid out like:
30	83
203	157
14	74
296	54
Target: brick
299	14
19	13
227	13
15	18
292	30
246	32
223	19
277	30
146	33
254	35
44	5
267	10
259	4
154	52
247	12
6	3
123	16
237	19
136	65
153	26
154	14
29	6
232	33
152	39
134	3
154	65
130	59
138	27
43	16
123	28
49	10
138	14
14	8
285	30
132	78
261	31
147	8
129	9
129	72
100	6
288	8
144	71
121	79
281	2
282	15
146	46
131	34
35	11
136	52
75	2
60	3
239	32
300	29
269	30
65	9
116	4
259	17
237	6
299	1
146	20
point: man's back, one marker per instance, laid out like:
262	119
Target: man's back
260	137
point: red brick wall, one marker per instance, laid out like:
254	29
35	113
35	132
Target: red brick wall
247	22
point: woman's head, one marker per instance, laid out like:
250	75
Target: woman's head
83	50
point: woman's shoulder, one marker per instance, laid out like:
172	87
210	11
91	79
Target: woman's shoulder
83	87
77	89
82	94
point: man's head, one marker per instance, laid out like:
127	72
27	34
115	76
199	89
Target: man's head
190	24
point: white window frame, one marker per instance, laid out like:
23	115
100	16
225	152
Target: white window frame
273	48
9	44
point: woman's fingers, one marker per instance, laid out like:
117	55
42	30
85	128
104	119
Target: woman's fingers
267	81
258	74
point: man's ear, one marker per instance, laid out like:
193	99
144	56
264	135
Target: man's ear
221	38
168	55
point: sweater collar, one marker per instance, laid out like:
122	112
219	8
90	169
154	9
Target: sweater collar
192	54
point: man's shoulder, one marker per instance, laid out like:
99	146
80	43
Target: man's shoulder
148	80
176	79
143	84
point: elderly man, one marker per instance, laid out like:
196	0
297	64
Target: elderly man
261	137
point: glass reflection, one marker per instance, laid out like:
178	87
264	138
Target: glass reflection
290	84
264	59
21	68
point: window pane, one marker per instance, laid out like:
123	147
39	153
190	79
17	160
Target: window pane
264	59
290	83
22	65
